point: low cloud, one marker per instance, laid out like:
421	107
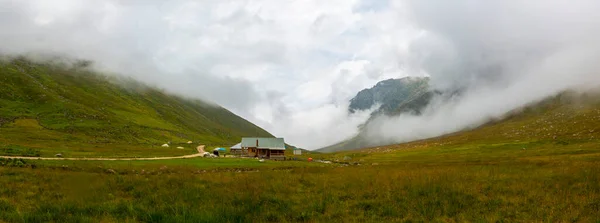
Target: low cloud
338	123
274	63
285	64
503	55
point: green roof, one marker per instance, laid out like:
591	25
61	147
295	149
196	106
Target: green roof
268	143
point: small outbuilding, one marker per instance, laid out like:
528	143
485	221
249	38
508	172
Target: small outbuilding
297	151
236	150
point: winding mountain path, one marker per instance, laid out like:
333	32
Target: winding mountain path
199	154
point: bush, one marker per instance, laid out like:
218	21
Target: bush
14	150
13	162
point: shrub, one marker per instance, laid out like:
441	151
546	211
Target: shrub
14	150
13	162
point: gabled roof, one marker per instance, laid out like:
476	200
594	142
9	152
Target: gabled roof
237	146
266	143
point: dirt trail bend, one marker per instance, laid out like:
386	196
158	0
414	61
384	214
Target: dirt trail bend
199	148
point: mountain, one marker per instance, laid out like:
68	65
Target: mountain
567	121
563	119
398	96
393	96
48	103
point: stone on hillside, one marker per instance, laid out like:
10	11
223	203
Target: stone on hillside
59	155
347	158
165	145
189	142
180	147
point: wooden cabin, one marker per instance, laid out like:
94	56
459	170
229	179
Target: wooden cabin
264	148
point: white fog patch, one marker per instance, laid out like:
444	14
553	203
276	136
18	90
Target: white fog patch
324	125
284	64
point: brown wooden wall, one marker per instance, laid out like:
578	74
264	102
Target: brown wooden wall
265	153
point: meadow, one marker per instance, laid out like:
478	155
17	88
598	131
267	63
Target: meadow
534	187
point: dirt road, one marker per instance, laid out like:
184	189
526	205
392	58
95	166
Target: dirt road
199	154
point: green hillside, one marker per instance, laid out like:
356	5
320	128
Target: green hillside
53	107
568	123
566	111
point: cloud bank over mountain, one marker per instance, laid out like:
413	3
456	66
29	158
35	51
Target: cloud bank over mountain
291	67
502	55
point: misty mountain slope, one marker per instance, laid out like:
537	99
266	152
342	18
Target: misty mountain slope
362	139
394	96
357	142
565	126
53	103
566	119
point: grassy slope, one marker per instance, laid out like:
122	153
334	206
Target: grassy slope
58	108
568	121
558	110
483	175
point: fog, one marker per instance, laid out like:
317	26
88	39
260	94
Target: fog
502	54
292	67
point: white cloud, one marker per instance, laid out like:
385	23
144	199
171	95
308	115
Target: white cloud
283	64
277	63
503	54
323	125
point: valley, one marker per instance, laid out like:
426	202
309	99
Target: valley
538	163
299	111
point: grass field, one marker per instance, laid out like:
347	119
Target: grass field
191	163
533	188
75	150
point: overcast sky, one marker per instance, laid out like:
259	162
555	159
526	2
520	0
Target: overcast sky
291	66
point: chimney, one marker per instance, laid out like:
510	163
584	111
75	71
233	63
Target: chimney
257	143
